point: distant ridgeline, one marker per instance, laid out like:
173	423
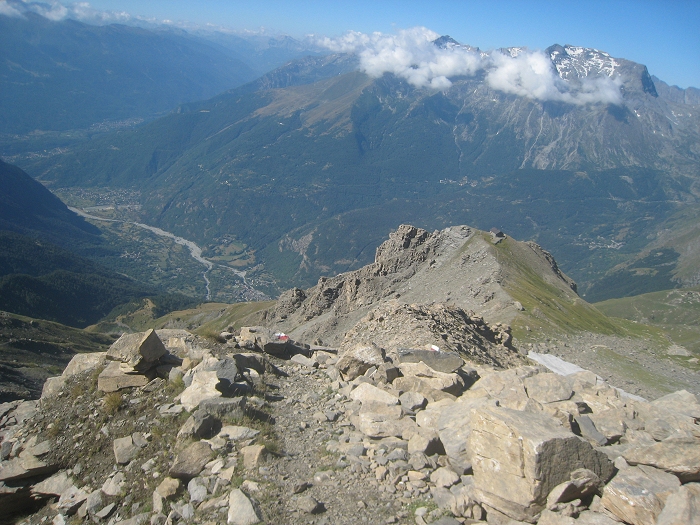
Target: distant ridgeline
313	164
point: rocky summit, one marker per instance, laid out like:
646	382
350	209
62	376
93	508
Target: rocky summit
378	396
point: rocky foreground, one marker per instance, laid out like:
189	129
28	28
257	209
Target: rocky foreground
259	429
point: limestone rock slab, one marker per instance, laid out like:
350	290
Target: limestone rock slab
518	458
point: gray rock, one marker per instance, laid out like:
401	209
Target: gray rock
413	401
446	362
241	510
309	505
221	407
589	431
197	490
140	350
518	458
682	507
201	425
190	462
678	454
124	450
637	495
357	360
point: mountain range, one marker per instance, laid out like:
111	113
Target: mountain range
311	165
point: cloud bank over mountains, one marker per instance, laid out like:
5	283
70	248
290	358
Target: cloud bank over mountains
412	55
55	11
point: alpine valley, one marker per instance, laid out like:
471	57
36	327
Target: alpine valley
342	293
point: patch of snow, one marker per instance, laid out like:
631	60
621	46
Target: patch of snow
564	368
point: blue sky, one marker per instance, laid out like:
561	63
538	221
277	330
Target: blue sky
663	35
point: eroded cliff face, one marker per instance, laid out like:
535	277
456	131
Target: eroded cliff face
459	268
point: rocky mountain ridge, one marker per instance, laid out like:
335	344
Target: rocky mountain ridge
361	155
262	430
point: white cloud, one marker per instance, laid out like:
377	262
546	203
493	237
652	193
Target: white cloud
7	10
410	54
531	74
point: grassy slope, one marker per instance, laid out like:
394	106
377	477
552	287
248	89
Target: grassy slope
676	312
32	350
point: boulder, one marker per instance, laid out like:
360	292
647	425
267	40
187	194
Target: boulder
637	495
190	462
241	510
264	339
203	387
446	362
450	383
367	393
357	360
682	507
678	454
141	350
548	387
519	457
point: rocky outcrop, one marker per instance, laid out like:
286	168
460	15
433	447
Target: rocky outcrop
355	437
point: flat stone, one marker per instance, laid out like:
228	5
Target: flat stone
548	387
678	455
224	407
367	393
446	362
54	485
237	433
24	467
113	379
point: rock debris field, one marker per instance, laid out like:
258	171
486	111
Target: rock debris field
169	428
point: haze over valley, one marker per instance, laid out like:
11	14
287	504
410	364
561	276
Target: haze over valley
197	213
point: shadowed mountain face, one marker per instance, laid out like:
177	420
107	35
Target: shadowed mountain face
28	208
312	165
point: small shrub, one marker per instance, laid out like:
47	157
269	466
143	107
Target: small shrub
112	402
